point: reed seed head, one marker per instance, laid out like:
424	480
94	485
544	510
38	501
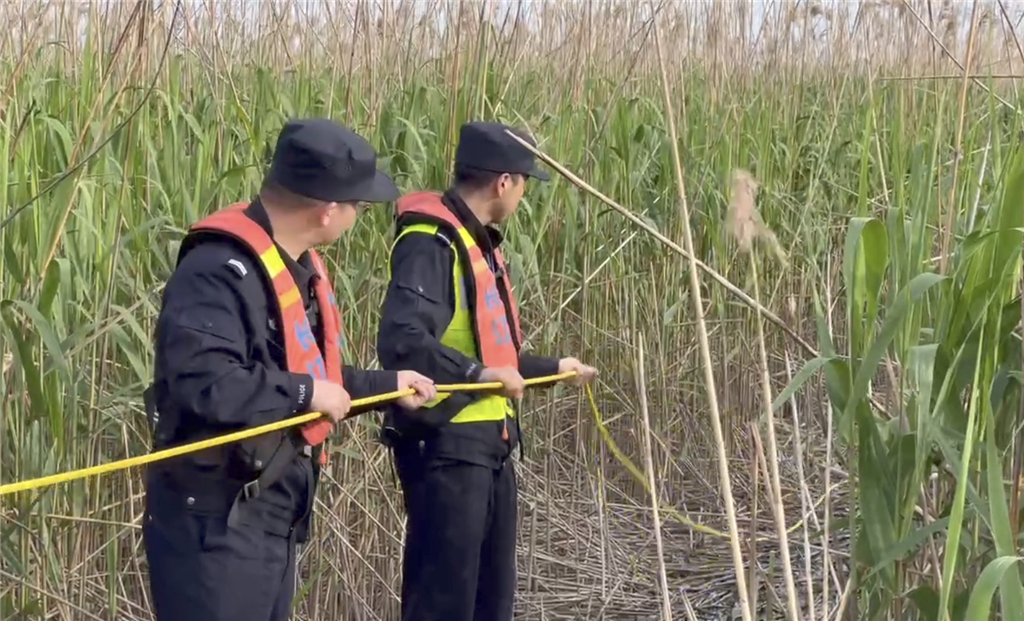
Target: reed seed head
743	219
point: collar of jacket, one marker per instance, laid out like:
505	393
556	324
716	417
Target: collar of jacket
487	237
302	270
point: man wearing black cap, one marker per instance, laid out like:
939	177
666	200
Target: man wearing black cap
250	333
450	314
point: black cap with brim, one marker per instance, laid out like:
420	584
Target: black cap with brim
539	173
320	159
486	146
534	169
380	189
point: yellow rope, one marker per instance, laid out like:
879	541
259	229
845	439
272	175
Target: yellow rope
53	479
442	389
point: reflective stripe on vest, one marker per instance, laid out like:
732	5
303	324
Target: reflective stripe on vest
466	327
303	354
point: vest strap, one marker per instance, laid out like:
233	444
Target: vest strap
288	450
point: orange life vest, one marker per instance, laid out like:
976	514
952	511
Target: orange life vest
498	345
300	344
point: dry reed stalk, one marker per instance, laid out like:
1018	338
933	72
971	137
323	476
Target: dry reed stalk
761	472
952	208
746	226
805	496
754	577
350	69
705	347
844	599
1017	467
691	614
829	457
649	462
531	545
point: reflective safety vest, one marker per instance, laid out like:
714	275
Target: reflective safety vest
300	344
480	324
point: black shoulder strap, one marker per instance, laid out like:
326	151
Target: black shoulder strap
288	450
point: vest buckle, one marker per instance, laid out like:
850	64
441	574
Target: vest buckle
251	489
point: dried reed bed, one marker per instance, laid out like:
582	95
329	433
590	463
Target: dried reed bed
169	109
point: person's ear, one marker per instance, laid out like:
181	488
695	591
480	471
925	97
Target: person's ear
504	184
326	211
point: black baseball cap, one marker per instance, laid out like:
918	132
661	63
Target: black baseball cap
318	158
485	146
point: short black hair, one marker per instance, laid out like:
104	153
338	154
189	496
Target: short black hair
277	193
469	178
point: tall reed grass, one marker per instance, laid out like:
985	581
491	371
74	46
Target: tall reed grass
884	141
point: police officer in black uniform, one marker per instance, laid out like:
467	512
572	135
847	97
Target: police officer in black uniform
215	554
457	480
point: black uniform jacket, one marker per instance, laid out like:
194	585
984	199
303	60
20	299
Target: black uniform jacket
419	305
221	367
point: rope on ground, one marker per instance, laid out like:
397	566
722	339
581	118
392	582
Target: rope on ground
642	479
63	477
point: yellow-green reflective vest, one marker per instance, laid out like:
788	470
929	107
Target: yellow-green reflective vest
459	335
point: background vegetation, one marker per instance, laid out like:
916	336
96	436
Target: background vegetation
883	137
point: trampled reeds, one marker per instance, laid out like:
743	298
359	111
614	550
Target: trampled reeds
121	122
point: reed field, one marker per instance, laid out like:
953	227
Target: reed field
853	189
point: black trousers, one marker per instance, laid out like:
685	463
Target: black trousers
202	570
460	542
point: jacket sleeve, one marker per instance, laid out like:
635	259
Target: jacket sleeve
531	366
362	383
202	351
418	306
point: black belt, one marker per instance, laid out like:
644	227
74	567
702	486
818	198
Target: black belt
292	446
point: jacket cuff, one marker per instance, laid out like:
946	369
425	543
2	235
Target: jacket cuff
531	366
473	371
363	383
300	389
380	381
